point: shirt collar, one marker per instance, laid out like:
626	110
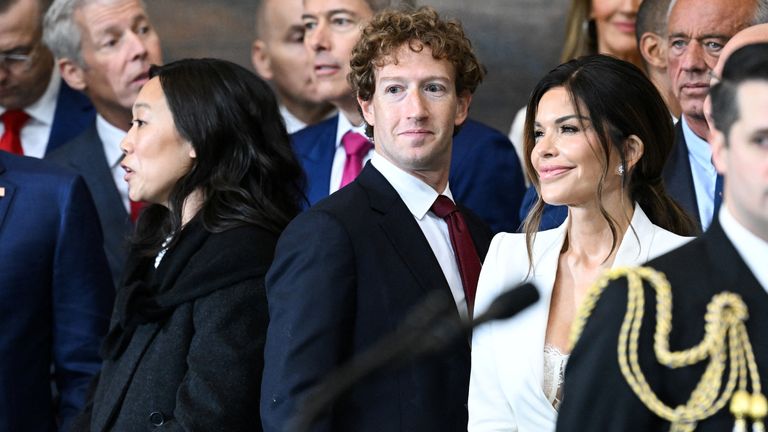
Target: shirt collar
44	109
344	126
110	137
699	148
417	195
750	247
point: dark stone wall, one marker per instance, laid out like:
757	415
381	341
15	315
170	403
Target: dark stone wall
517	40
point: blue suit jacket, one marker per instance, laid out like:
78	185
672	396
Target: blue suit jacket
485	175
74	113
678	181
346	273
85	155
55	293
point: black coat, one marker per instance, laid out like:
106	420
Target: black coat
596	396
346	273
190	355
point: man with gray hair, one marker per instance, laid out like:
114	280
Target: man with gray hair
38	112
104	48
697	30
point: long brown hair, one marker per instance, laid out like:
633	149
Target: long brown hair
621	102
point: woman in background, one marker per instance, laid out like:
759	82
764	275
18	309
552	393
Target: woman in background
597	137
593	27
210	155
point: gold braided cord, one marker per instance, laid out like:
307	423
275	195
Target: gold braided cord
725	342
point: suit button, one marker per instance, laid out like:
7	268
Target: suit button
157	418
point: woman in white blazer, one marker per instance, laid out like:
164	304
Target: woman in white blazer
596	139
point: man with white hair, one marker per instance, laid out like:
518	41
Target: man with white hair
104	48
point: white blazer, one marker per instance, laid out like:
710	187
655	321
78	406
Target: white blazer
505	390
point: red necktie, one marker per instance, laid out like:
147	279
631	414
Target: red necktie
13	120
463	246
357	147
136	207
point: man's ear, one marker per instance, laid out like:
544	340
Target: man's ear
652	49
368	110
260	59
72	73
462	108
719	150
633	150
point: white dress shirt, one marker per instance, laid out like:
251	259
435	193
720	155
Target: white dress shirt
111	137
704	173
752	249
337	169
37	130
292	123
506	384
419	197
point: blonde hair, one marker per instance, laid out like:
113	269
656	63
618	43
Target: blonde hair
580	32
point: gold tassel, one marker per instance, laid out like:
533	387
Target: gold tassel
725	342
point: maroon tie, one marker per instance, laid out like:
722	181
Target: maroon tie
463	246
13	120
136	207
357	147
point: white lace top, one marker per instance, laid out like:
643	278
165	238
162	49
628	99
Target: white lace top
554	370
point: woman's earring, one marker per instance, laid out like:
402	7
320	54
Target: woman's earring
620	169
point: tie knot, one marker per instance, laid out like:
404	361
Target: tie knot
355	144
14	119
443	206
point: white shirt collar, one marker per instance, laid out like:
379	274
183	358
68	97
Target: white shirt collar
417	195
292	123
344	126
750	247
44	109
111	137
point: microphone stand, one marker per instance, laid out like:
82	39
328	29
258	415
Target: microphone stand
429	327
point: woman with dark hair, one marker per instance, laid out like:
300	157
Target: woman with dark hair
209	154
596	140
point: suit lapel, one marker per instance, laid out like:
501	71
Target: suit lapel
678	178
74	112
92	162
402	230
110	399
316	151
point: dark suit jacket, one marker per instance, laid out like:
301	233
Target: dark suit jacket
596	396
74	113
678	178
346	273
678	181
486	175
55	293
85	155
196	364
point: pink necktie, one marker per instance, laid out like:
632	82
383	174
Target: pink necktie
13	120
357	147
463	246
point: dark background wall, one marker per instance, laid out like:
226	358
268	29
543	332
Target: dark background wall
517	40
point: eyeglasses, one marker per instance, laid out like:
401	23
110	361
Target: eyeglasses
17	60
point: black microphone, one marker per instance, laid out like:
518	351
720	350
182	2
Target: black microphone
509	303
429	327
